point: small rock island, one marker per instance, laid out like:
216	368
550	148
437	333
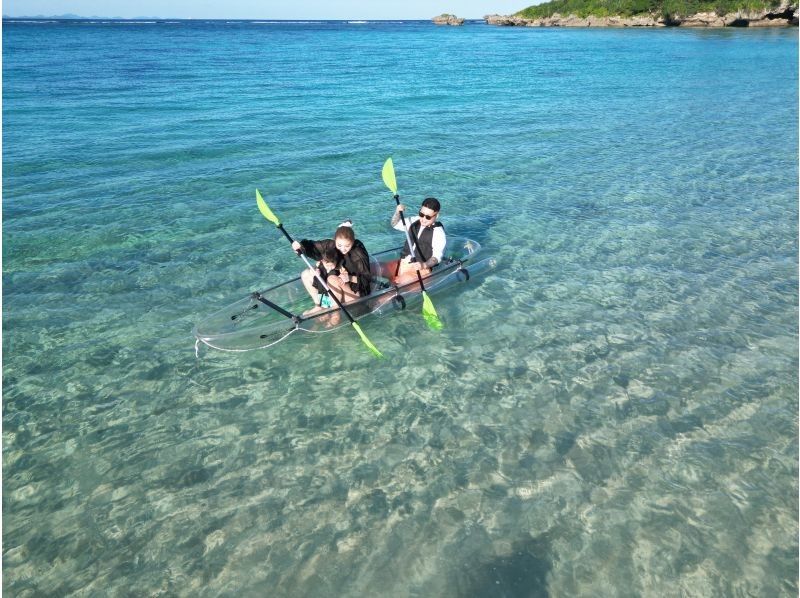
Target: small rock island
447	19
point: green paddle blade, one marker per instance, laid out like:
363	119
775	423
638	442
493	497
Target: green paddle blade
388	176
429	313
265	211
367	342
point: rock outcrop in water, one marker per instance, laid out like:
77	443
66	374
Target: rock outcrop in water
447	19
783	16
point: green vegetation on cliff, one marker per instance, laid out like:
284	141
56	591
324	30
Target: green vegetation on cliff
630	8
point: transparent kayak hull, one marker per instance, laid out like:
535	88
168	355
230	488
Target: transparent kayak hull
267	317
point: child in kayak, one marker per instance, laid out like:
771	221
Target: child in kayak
327	269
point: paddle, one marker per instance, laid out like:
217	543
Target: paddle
267	213
428	311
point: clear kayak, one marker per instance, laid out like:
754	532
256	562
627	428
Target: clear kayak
267	317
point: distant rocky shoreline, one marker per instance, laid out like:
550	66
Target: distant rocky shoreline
783	16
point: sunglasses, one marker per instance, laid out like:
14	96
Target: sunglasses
427	216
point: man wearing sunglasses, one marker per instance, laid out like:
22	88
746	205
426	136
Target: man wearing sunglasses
427	236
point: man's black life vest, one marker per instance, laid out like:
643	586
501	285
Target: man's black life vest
424	241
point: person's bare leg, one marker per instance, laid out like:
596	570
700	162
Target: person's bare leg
307	277
343	291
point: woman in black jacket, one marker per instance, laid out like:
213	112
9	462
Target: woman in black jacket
354	279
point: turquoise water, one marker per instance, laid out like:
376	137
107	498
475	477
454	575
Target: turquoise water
612	411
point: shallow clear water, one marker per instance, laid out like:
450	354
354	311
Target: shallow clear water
612	411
